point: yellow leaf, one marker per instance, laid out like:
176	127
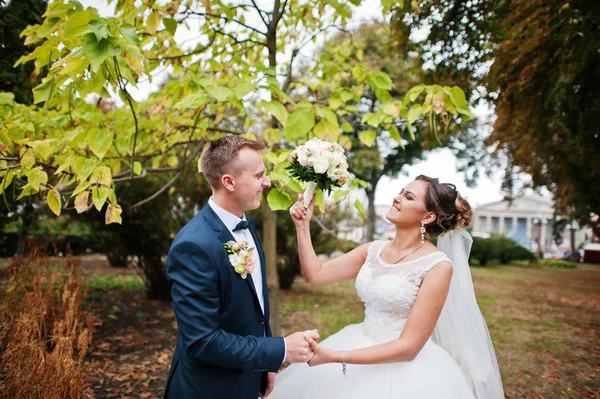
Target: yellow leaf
54	202
152	22
81	202
113	214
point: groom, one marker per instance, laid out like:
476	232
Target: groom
225	348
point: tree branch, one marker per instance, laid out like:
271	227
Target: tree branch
206	14
170	182
128	98
260	13
197	51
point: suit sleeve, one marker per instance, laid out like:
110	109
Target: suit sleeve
194	285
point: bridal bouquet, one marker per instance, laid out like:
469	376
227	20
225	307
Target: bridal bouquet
320	163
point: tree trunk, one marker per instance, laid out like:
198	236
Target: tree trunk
371	213
28	217
269	241
157	286
574	254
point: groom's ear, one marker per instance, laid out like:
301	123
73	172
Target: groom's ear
228	182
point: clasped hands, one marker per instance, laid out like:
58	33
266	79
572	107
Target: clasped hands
302	347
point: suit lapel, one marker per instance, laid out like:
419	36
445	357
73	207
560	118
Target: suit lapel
225	236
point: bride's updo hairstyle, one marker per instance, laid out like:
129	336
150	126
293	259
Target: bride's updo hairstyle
445	202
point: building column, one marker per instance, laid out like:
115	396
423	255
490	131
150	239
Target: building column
543	227
502	222
529	228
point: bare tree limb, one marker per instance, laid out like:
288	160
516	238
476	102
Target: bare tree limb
197	51
260	13
170	182
206	14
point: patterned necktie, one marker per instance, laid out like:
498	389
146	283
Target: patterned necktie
244	224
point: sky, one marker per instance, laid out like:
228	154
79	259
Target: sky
438	163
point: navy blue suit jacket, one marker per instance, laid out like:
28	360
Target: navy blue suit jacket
224	348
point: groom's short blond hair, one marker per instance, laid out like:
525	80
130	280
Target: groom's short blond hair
218	157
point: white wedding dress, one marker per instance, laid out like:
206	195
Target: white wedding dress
389	292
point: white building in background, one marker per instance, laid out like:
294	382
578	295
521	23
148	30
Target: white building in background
527	220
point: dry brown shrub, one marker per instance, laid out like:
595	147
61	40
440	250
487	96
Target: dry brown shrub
44	334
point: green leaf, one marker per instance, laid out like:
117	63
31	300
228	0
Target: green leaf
347	127
360	208
99	196
99	28
41	149
42	92
368	137
137	168
78	23
383	95
276	109
134	59
219	93
339	194
100	141
381	80
326	130
80	188
395	135
392	109
84	167
242	90
373	119
170	25
152	22
37	178
195	100
101	176
278	200
130	33
28	159
412	94
460	101
98	51
414	113
299	123
54	202
8	178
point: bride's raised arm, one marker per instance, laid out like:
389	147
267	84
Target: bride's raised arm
342	268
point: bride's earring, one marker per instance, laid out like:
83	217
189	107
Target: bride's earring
422	232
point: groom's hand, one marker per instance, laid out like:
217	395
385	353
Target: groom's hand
298	349
270	384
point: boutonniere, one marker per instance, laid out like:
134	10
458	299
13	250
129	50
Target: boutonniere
240	256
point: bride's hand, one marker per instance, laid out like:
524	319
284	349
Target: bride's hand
301	215
322	354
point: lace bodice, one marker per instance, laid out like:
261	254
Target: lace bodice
389	291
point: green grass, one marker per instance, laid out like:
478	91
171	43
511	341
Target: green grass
545	324
105	281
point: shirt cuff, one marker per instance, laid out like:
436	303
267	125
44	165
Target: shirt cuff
284	351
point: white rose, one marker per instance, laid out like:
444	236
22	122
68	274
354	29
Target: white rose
311	161
302	159
321	166
235	260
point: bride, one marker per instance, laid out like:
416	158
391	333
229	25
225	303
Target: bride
423	335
